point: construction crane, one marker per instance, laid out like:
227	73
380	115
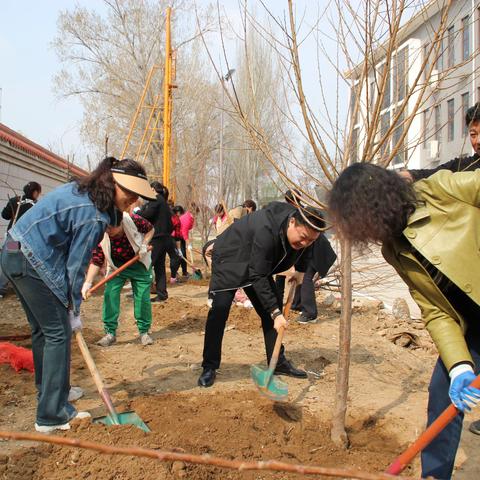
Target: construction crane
157	110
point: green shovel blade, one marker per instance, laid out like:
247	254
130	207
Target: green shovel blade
126	418
268	384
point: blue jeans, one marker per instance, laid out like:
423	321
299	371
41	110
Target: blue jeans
51	336
438	458
3	283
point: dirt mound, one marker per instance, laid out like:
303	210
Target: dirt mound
241	425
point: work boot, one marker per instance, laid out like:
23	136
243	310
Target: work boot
303	318
107	340
286	368
146	339
475	427
74	394
207	378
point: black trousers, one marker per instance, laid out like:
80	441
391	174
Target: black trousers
162	246
183	263
304	299
217	319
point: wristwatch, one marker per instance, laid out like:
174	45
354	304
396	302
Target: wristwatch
276	313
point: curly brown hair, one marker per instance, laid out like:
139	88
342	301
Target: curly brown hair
369	203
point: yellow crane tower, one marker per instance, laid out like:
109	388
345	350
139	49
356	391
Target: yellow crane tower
158	110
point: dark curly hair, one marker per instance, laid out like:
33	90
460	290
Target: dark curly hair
370	204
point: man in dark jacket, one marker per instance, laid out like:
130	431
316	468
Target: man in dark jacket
13	210
247	255
158	213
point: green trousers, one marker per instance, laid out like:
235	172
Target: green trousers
141	279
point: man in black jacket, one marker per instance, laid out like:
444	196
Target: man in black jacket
158	213
247	255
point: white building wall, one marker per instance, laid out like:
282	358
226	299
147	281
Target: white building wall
462	79
17	168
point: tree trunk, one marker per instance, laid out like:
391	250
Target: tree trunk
338	433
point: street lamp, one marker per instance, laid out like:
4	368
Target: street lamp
226	78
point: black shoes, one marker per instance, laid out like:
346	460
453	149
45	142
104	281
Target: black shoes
207	378
286	368
475	427
158	299
304	319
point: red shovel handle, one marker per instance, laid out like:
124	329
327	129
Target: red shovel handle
116	272
426	437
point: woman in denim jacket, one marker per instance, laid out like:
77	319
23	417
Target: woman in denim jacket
45	257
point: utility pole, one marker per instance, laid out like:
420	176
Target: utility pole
221	186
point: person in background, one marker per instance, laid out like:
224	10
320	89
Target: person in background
178	211
119	245
429	234
250	205
45	258
187	222
13	211
158	213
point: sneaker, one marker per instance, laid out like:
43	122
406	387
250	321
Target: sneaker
304	319
63	426
475	427
146	339
107	340
173	281
74	394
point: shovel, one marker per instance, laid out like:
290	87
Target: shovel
426	437
197	273
269	385
113	418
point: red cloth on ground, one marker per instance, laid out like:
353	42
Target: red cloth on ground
18	357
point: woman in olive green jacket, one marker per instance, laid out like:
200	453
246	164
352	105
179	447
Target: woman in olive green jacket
430	234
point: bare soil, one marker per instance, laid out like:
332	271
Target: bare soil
387	398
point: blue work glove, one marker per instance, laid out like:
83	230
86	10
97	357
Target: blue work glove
461	394
75	321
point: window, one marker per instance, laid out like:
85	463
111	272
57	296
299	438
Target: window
465	38
384	126
425	127
450	47
401	155
426	57
371	92
354	146
353	105
386	96
439	63
465	103
400	74
450	120
438	123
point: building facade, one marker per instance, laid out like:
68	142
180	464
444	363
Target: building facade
23	161
437	132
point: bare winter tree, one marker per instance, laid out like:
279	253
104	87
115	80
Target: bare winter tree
360	52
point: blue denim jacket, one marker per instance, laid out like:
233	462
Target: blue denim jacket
57	237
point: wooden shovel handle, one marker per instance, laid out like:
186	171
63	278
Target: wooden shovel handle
107	400
426	437
102	282
278	341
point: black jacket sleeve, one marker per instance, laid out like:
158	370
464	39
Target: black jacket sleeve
260	268
459	164
10	208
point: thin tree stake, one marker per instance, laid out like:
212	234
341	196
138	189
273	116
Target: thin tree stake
199	459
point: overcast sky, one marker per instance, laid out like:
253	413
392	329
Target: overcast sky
28	65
